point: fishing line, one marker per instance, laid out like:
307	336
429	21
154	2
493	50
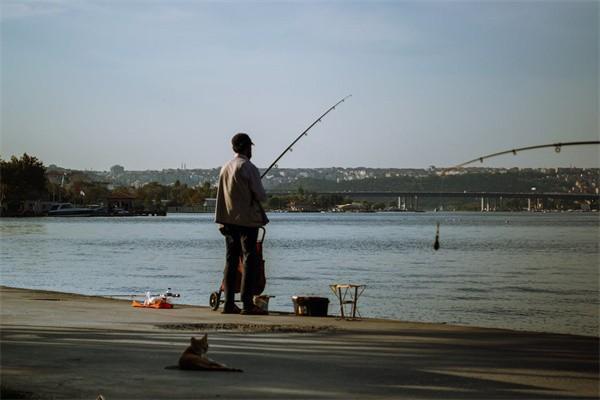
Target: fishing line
557	148
436	243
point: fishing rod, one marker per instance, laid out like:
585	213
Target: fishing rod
557	148
305	133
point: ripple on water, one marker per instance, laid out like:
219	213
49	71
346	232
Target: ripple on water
542	267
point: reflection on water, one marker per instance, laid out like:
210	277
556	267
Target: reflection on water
521	271
16	227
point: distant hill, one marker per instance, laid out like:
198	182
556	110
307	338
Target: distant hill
370	179
509	181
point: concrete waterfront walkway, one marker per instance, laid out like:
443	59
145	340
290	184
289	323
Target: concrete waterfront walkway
56	345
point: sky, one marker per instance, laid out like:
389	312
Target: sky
158	84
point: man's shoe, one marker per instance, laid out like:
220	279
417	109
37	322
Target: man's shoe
233	309
254	310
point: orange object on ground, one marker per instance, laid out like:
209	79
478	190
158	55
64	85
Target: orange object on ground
160	304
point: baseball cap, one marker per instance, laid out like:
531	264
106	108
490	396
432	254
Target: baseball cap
240	140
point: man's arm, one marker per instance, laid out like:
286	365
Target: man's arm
258	191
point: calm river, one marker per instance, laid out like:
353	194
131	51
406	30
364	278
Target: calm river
521	271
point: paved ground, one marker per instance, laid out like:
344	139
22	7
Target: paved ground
56	345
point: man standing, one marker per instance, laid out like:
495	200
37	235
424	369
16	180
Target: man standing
240	214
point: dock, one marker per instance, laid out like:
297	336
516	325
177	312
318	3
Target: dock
67	346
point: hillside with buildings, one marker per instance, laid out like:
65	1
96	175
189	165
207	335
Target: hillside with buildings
567	180
317	189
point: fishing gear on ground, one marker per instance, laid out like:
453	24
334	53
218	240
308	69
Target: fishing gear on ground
157	301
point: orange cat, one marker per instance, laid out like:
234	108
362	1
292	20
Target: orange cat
194	357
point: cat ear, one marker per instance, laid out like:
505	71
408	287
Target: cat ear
192	340
205	337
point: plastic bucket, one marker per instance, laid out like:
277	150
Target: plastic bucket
310	306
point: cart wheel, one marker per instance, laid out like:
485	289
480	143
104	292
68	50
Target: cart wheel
215	300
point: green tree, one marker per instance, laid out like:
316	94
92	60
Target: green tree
93	192
21	179
207	190
276	203
177	194
150	195
378	206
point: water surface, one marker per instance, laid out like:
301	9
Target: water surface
511	270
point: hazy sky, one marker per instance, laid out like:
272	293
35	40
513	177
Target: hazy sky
154	84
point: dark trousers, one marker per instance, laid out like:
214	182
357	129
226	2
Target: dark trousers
240	241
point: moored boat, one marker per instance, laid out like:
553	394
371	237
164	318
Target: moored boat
67	210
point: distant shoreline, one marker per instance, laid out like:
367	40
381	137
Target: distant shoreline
323	212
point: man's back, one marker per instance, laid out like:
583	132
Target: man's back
239	194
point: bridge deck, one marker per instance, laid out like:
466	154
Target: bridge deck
506	195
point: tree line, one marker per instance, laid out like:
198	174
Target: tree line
25	179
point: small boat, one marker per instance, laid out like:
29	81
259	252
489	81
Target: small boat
67	210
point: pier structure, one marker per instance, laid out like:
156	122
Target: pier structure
108	349
408	203
492	204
